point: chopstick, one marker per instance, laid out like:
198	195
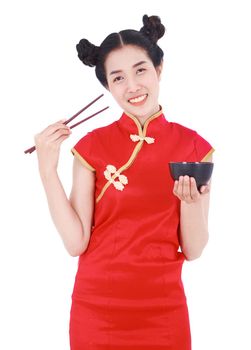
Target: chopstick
82	121
32	149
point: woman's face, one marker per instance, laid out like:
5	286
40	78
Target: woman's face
133	81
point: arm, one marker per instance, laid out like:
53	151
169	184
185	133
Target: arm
82	198
73	217
193	216
72	225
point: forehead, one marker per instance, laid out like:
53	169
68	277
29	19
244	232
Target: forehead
125	57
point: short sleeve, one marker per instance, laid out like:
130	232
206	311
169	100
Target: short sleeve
203	148
83	151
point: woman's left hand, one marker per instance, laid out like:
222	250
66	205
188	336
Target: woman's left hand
186	189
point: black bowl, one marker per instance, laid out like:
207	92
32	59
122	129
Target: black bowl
201	171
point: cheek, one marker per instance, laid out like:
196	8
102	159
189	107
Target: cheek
151	79
154	83
117	92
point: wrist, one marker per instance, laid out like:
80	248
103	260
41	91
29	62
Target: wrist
48	174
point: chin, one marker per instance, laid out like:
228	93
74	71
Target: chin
138	111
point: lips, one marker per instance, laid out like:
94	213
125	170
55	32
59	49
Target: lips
138	99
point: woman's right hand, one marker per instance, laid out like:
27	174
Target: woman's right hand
48	144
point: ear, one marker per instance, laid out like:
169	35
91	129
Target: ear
159	69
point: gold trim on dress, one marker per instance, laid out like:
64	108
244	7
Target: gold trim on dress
82	160
142	135
208	155
155	115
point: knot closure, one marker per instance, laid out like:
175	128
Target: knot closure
136	138
111	174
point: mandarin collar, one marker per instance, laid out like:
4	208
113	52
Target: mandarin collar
132	124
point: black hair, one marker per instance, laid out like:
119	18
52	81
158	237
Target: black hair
146	38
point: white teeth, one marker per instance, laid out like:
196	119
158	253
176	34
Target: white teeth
138	99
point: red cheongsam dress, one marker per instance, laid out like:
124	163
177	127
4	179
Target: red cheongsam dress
128	293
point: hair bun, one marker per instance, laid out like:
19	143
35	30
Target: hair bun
87	52
153	28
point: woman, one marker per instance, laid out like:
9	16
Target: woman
130	225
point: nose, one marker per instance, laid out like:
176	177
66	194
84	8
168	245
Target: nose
132	85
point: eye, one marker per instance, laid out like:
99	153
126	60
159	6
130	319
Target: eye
140	70
118	79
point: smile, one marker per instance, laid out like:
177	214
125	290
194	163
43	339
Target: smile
138	99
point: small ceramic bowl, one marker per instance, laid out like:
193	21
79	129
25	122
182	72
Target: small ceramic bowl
201	171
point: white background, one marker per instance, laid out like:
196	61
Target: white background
205	86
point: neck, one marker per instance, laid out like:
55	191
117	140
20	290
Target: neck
142	123
143	118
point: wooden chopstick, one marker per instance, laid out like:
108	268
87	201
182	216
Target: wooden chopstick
82	110
82	121
32	149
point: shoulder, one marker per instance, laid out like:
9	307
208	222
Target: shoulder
190	138
187	135
101	132
182	130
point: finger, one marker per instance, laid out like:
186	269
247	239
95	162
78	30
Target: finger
49	140
61	139
59	133
176	190
204	189
61	120
175	187
54	127
186	193
194	191
55	145
180	187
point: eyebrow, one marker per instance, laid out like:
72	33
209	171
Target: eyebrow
134	66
